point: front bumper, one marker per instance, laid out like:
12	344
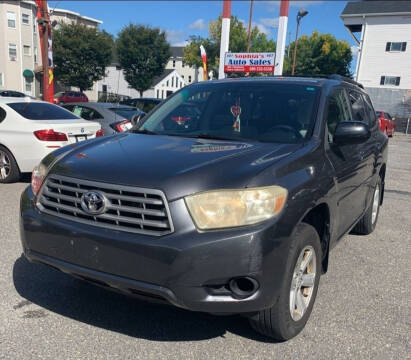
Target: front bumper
186	268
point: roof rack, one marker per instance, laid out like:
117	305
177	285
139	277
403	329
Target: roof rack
346	79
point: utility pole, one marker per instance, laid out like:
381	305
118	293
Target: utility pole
250	21
281	37
225	36
46	54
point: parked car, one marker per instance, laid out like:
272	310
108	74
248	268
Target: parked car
64	97
143	104
386	122
113	118
232	211
31	129
12	93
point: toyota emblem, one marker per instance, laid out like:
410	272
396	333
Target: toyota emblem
93	202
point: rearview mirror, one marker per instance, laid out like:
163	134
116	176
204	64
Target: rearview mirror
351	132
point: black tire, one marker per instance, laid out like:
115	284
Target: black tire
14	172
366	225
276	322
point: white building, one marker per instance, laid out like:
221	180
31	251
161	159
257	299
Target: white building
20	44
176	76
188	73
382	30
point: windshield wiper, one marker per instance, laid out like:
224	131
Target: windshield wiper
143	131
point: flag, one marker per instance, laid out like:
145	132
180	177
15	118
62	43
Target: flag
204	57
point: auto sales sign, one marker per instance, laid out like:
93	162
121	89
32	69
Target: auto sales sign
249	62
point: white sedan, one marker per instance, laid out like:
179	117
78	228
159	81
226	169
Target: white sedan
30	129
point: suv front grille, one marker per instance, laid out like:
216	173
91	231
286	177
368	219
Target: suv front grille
131	209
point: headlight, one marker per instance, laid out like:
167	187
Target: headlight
230	208
37	177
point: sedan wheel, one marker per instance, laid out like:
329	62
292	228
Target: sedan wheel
5	166
375	204
302	284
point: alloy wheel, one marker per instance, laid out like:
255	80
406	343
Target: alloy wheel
5	166
375	204
303	282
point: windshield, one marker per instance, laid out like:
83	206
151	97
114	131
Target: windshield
41	111
266	112
126	113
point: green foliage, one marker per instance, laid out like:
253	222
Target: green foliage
320	54
81	55
238	43
143	53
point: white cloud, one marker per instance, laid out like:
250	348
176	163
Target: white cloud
175	37
199	24
354	50
269	22
263	29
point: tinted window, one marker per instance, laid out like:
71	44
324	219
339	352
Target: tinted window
388	116
370	112
126	113
85	112
378	113
267	112
147	106
41	111
337	110
2	114
357	106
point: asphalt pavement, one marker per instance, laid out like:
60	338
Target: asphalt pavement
362	309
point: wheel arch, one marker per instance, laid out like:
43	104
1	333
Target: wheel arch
319	218
12	154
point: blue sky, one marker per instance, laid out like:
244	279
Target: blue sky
180	19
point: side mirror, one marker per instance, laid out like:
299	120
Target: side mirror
136	119
351	132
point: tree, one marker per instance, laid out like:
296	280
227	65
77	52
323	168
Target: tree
320	54
143	53
238	43
81	55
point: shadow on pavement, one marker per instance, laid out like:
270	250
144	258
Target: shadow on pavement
78	300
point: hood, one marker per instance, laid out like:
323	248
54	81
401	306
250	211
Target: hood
176	165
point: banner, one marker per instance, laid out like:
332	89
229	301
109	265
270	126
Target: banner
204	58
249	62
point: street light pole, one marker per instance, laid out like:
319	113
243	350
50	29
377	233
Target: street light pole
300	15
250	25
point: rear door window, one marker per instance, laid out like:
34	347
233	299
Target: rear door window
357	106
41	111
2	114
370	112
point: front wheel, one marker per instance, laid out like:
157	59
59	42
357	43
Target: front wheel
290	313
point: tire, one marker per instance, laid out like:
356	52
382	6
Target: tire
278	322
368	222
9	170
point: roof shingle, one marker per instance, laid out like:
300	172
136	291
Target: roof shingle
376	7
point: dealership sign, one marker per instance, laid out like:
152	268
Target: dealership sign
249	62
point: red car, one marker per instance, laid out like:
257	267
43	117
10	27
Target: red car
386	123
65	97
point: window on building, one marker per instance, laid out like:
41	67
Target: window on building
12	52
174	63
28	87
189	79
162	94
158	93
11	19
167	83
396	46
25	19
26	50
181	84
35	54
390	80
172	82
182	65
182	76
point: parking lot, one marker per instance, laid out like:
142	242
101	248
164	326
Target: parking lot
362	309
